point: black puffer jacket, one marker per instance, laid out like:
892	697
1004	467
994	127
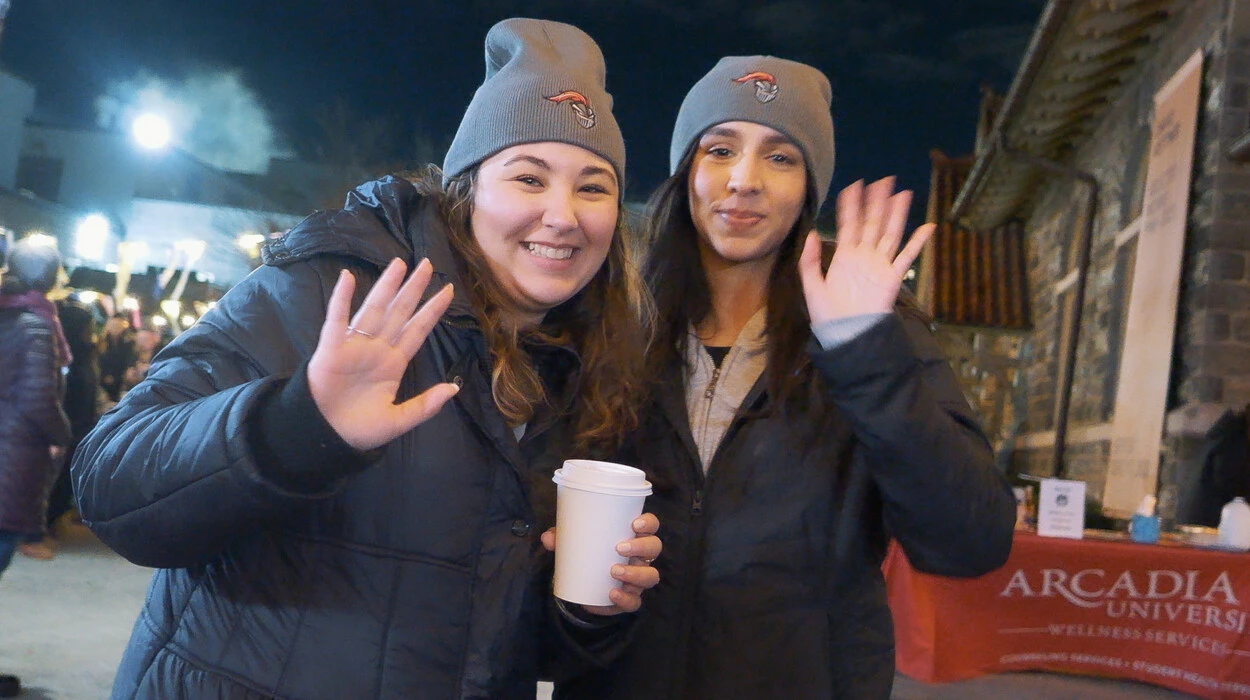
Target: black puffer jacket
31	419
771	581
291	566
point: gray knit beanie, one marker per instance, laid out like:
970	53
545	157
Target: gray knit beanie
544	82
791	97
32	265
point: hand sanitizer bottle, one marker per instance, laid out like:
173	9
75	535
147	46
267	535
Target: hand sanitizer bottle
1234	530
1144	527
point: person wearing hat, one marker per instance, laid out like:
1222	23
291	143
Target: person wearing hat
803	413
343	470
34	429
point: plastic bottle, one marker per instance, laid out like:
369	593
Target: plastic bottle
1234	532
1144	527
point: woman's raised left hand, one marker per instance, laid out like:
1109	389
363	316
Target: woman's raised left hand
867	269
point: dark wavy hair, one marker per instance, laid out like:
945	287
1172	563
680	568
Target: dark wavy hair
604	324
674	273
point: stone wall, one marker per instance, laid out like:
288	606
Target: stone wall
988	365
1212	358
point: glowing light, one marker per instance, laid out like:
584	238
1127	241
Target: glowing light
88	297
171	307
41	239
130	304
151	131
159	321
188	321
251	240
91	235
193	248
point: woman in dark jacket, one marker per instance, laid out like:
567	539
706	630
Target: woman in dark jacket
323	528
33	428
804	416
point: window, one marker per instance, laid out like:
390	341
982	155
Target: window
40	175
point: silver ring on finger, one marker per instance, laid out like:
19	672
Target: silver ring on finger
357	331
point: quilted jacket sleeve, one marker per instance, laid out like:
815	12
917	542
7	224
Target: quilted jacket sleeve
38	392
172	474
944	499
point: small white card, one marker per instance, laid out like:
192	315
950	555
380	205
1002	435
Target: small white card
1061	508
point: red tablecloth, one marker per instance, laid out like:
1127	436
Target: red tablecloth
1173	616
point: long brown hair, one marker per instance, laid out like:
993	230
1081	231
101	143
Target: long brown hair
603	324
674	273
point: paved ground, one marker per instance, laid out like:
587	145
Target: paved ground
64	622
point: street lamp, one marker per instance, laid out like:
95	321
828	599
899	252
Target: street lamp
91	235
151	131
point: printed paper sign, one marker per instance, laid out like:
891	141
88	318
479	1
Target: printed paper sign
1061	508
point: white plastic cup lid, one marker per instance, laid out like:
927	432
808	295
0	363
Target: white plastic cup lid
602	477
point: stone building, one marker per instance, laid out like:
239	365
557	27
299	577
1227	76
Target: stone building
1065	159
973	285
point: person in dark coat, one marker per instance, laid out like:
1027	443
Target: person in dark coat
118	354
34	430
344	491
804	413
82	386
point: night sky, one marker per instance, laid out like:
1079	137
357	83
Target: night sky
906	74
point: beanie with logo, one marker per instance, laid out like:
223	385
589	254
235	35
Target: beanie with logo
791	97
544	82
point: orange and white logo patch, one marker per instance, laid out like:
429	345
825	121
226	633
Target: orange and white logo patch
766	87
579	103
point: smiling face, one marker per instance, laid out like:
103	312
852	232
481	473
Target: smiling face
747	187
544	215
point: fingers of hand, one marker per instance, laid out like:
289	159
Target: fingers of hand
334	329
639	575
895	223
648	547
402	305
422	407
371	315
646	524
548	539
877	196
912	250
850	214
625	602
810	273
419	325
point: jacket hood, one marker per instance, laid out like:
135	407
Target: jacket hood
381	220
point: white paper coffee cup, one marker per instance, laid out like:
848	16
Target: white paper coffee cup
596	504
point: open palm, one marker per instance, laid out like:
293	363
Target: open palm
355	372
867	269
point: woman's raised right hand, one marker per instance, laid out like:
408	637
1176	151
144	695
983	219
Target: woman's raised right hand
355	372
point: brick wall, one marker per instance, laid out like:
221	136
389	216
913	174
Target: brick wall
1212	357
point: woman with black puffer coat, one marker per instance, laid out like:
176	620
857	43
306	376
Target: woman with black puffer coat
803	415
33	427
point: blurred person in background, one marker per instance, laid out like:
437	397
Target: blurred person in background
81	403
34	430
118	355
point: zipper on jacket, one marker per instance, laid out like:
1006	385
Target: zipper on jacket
696	508
711	385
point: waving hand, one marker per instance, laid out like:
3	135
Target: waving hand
867	269
355	372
